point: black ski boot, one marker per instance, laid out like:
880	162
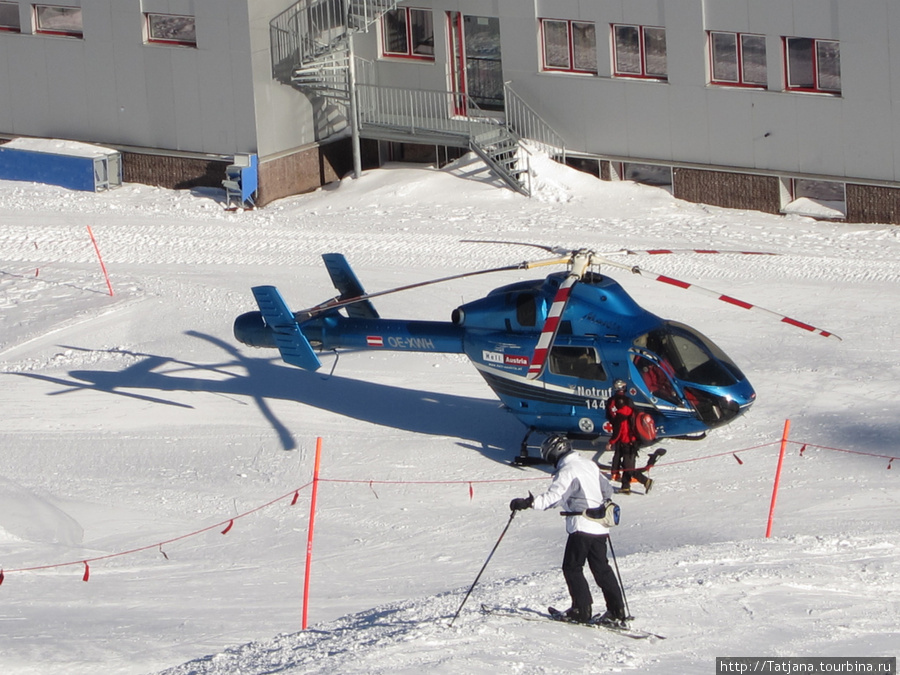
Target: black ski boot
612	619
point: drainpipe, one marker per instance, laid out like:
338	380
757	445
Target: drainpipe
354	109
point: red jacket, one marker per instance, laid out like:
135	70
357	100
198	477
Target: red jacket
622	429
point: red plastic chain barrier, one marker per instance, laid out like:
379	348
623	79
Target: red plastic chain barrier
295	494
890	458
159	545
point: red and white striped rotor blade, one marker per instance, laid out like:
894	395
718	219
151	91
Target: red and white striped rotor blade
732	301
668	251
551	326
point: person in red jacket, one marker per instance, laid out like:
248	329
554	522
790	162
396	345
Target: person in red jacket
624	442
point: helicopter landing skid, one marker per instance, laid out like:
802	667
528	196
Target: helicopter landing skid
524	459
528	460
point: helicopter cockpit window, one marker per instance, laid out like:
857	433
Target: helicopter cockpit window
526	310
690	356
581	362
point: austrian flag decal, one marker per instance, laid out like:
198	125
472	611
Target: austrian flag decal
374	341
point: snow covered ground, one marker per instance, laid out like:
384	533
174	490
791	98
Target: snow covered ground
134	429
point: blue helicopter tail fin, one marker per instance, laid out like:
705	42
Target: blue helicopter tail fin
293	345
344	280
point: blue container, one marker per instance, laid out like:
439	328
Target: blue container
77	166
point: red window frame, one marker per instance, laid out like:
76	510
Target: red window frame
816	85
9	28
43	30
409	53
739	47
642	53
572	68
148	23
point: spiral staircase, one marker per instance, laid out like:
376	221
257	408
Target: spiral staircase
312	51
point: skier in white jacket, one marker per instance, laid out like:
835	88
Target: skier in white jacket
578	485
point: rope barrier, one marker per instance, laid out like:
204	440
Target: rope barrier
294	494
890	458
228	523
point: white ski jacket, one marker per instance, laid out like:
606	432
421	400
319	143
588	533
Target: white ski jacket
578	484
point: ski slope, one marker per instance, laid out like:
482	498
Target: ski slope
135	430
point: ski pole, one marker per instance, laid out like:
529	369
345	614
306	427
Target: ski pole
619	575
512	514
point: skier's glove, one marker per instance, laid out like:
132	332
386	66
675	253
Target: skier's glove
521	503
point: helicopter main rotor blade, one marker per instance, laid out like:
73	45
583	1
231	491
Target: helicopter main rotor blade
667	251
551	327
715	294
556	250
579	262
337	303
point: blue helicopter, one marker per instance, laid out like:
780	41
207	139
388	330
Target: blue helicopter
549	348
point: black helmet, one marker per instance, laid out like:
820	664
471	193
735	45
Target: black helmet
554	447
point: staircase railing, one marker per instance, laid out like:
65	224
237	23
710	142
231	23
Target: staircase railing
445	117
421	111
527	124
309	28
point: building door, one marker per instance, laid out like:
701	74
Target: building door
476	71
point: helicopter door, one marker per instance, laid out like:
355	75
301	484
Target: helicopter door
655	378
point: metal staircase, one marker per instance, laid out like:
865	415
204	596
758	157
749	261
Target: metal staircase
311	51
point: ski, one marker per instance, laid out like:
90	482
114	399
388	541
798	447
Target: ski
627	631
557	616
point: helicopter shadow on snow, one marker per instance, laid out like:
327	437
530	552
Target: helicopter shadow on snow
481	424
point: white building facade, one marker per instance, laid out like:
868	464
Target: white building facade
776	105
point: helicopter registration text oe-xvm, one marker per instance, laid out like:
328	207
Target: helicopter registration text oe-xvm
549	348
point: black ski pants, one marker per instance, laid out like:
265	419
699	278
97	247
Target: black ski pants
590	548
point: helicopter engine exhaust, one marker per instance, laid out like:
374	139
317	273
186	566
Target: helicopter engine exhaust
251	330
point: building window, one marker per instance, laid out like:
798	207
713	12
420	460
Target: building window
171	29
825	200
813	65
9	17
408	33
648	174
569	46
640	51
737	59
56	20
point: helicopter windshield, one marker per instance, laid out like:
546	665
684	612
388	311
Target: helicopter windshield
690	356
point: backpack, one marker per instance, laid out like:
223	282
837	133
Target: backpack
607	513
644	427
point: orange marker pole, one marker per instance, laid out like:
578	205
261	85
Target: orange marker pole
100	258
312	526
784	440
